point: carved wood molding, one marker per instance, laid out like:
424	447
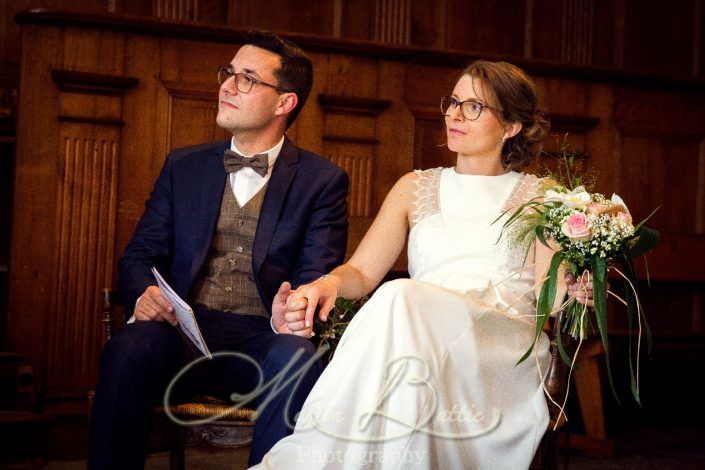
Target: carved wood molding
392	21
179	91
92	83
326	44
183	10
350	139
352	105
91	120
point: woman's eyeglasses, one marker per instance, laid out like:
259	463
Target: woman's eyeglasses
470	109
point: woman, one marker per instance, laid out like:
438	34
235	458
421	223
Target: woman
425	375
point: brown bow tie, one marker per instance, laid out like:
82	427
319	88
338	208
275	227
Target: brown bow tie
234	161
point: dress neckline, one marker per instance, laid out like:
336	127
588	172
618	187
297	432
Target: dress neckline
506	204
470	175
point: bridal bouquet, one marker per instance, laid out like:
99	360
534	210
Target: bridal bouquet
339	318
588	233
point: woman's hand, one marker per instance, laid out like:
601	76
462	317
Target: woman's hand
580	289
293	310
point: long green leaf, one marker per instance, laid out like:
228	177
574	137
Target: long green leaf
640	224
630	298
546	299
561	347
540	235
599	285
547	296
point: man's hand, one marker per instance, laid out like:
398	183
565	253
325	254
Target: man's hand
581	288
293	310
289	312
153	306
279	309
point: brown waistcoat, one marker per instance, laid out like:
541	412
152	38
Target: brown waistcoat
227	282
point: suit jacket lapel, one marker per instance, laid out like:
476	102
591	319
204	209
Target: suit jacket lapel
212	186
277	188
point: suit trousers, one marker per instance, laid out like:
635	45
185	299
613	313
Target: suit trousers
141	360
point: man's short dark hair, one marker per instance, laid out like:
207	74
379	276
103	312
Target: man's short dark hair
296	72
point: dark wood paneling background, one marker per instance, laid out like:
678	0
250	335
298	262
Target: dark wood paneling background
103	98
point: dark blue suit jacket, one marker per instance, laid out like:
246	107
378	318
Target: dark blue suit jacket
301	233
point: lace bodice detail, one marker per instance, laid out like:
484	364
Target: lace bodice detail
426	195
528	188
456	238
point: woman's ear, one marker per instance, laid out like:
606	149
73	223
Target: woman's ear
511	130
287	103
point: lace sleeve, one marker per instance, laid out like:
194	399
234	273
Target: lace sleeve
426	195
528	188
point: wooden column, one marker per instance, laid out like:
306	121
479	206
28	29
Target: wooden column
393	21
66	201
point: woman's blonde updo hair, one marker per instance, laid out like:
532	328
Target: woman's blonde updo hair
513	94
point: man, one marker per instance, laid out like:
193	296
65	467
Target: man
226	236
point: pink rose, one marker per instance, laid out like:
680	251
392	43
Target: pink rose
624	218
576	227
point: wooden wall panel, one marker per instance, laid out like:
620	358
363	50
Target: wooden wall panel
85	233
355	25
607	33
487	26
302	16
392	21
576	31
183	10
373	110
74	215
356	159
577	28
658	37
671	167
429	23
430	149
33	253
190	117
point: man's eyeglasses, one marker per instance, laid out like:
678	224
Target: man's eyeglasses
470	109
243	81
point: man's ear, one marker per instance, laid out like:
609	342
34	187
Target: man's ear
287	103
511	130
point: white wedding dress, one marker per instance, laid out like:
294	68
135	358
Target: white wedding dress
425	375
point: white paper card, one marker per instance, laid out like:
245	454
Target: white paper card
184	313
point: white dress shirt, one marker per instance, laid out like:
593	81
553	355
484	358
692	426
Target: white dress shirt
246	182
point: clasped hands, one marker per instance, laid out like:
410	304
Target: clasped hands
293	310
580	289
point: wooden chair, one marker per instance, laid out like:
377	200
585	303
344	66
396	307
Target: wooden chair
588	389
556	382
232	428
